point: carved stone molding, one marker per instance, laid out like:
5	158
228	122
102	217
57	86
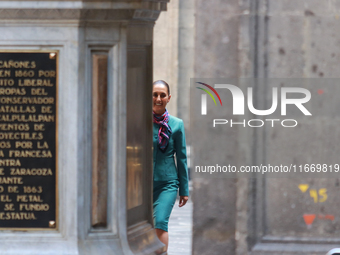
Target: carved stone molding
146	14
139	10
70	14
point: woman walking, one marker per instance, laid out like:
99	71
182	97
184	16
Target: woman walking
168	176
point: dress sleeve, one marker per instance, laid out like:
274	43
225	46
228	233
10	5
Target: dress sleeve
181	158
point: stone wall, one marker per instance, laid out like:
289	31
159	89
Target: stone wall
269	39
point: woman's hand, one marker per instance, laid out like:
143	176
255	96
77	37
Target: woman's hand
183	200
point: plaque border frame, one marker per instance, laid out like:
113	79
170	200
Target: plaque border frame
56	228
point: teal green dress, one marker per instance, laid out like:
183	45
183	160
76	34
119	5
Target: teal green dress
169	177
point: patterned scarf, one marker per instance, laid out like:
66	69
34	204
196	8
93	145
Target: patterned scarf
164	131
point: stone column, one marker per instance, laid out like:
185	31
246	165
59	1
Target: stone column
186	57
214	200
103	141
269	39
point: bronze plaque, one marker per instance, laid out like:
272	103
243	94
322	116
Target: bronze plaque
28	145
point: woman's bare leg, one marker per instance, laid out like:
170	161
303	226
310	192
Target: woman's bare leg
163	236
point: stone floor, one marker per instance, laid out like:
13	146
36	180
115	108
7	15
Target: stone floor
180	230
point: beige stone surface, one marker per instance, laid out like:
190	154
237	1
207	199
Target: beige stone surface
165	51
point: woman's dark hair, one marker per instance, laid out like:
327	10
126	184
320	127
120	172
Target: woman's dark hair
162	83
